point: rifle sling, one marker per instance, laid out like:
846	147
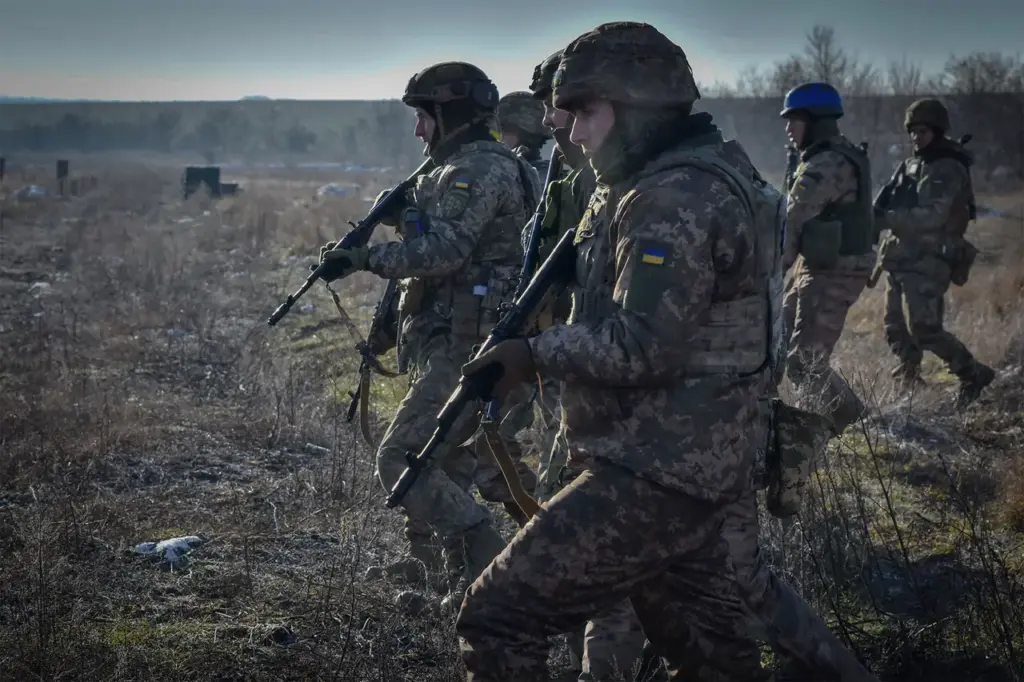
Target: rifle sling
526	503
364	407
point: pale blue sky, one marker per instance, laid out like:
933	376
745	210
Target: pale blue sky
348	49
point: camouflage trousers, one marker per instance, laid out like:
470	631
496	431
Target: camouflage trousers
607	537
779	616
440	500
920	328
814	311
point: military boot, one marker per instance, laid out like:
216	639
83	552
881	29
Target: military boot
422	568
972	382
467	556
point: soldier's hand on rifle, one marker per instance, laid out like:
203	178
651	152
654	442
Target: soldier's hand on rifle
516	361
340	263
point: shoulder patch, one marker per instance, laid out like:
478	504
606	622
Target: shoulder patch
653	255
454	199
649	278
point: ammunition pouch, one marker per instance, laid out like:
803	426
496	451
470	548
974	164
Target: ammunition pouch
796	440
474	312
820	243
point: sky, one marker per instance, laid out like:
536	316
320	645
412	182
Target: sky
368	49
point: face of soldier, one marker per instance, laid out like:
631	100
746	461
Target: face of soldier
425	125
796	129
921	136
554	118
594	120
510	139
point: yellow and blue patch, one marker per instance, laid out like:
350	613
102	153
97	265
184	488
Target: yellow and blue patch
653	255
461	183
558	77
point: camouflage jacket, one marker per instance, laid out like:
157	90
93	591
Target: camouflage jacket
660	258
463	253
927	213
826	185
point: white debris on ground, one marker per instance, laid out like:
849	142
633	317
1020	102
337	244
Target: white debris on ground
30	192
333	189
172	551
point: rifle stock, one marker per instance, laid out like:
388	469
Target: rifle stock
544	285
359	235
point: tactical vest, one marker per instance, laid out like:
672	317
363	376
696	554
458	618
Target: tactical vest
742	336
471	298
908	176
857	217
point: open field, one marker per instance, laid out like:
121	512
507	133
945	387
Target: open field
144	397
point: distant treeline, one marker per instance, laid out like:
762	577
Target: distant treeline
380	133
356	131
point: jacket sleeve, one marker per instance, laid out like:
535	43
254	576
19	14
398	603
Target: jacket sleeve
937	189
665	258
466	204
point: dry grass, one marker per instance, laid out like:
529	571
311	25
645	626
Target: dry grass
143	396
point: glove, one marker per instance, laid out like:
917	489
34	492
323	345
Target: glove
515	360
340	263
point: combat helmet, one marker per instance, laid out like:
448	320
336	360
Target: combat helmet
929	112
519	112
456	94
543	74
624	61
819	100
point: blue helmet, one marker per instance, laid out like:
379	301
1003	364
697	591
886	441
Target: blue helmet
817	99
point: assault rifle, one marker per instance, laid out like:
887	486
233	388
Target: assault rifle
532	253
359	235
542	289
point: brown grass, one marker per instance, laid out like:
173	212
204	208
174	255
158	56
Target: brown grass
143	396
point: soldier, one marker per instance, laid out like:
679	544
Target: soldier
829	243
458	259
613	641
681	231
663	241
522	128
929	203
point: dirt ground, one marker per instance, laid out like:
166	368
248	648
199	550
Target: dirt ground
144	397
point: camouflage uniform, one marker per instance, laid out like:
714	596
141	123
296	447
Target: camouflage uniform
929	204
830	234
663	239
612	641
457	261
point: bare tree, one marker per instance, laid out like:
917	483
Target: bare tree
717	90
787	75
904	78
983	72
823	59
752	82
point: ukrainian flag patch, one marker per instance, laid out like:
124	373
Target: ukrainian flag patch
653	255
461	183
